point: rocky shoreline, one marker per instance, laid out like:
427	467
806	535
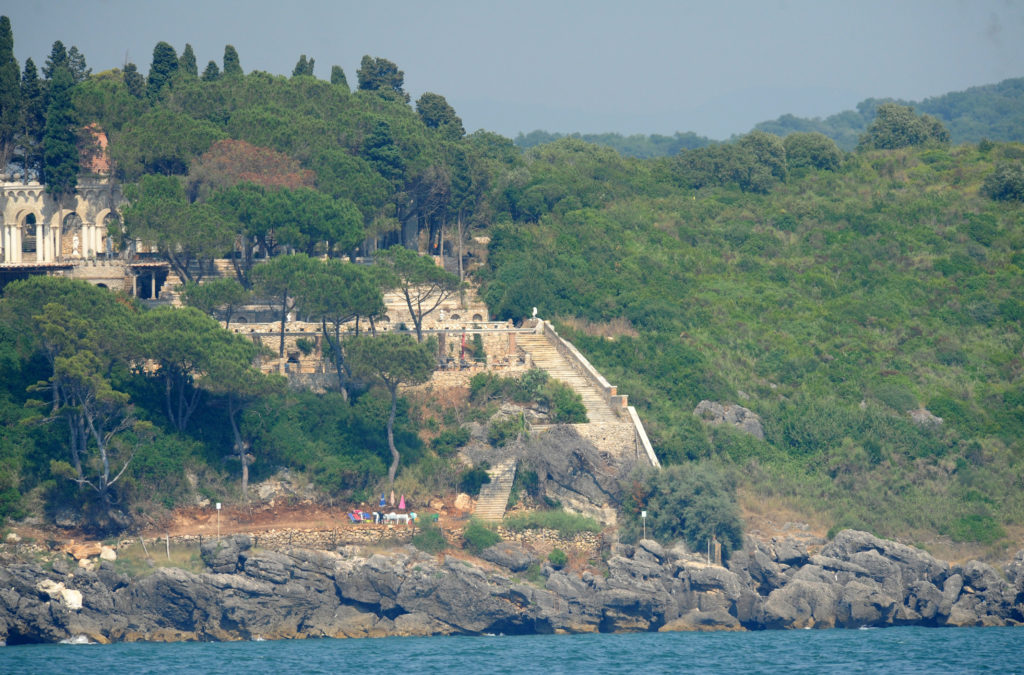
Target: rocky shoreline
854	580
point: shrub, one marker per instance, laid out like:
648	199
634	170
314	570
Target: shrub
567	524
558	558
450	440
471	480
981	528
501	431
1006	183
692	502
479	536
429	539
565	404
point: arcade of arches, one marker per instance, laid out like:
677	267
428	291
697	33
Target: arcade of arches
40	236
36	229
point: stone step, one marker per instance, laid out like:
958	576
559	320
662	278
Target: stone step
494	495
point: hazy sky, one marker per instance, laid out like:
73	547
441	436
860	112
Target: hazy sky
657	66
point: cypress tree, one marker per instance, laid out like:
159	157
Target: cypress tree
232	66
211	73
60	151
165	64
76	64
303	67
134	82
10	94
58	58
33	119
338	77
187	62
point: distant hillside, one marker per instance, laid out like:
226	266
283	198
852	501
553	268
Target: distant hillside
637	145
992	111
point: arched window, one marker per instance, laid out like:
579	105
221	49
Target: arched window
28	234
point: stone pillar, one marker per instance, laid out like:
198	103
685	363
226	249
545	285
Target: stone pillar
39	243
152	286
4	242
135	285
16	244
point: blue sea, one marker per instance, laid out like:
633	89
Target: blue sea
890	650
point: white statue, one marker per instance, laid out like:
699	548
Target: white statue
74	246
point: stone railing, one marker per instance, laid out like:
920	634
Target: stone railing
618	402
581	365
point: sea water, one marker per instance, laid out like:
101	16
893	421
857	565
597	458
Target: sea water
889	650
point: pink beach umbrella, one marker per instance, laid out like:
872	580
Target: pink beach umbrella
401	504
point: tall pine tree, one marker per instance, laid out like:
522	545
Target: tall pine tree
338	77
211	73
10	94
134	82
33	120
187	63
60	149
58	58
232	66
303	67
165	64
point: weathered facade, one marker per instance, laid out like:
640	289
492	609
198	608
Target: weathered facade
38	235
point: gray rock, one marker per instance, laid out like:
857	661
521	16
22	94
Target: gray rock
509	555
801	604
221	555
863	602
924	599
697	620
732	414
790	552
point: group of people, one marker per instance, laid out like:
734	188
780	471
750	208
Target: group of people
379	517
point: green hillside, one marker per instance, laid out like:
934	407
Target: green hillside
829	292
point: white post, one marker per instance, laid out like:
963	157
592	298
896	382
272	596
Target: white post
643	517
218	520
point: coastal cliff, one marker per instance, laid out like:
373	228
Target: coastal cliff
854	580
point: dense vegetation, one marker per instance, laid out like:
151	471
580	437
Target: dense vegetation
830	292
829	300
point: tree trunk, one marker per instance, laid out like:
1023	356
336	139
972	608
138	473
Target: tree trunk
239	445
284	319
417	320
393	469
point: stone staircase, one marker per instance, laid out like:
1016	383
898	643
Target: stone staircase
494	495
546	357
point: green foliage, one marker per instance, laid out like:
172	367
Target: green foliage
382	76
565	523
692	502
981	528
478	536
502	431
1006	183
558	558
162	70
896	126
429	539
60	150
472	479
449	441
812	150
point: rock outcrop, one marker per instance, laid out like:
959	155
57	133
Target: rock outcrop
732	414
854	580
